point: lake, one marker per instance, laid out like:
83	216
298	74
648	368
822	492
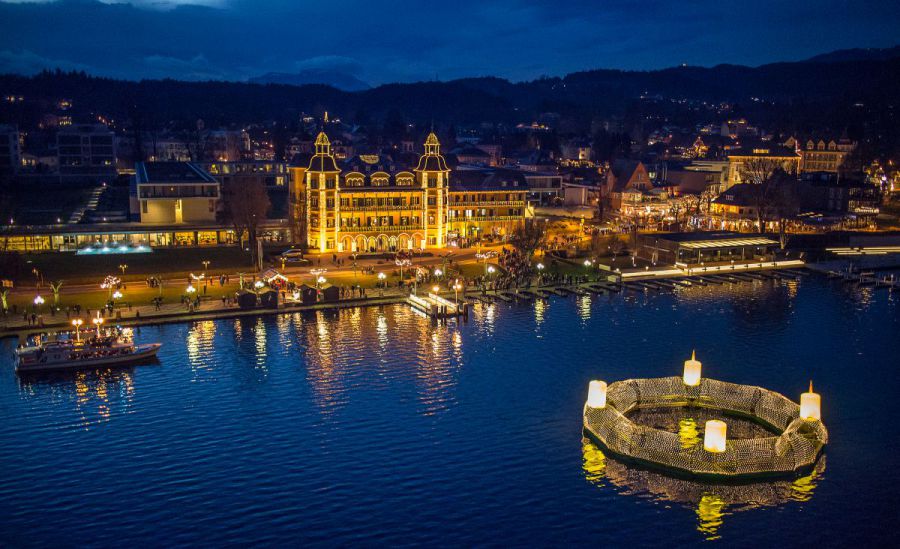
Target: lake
373	426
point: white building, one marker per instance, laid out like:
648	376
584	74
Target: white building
174	193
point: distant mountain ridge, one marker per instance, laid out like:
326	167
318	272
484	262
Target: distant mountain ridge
336	79
857	54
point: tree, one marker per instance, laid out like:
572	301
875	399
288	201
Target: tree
245	205
785	204
529	237
759	173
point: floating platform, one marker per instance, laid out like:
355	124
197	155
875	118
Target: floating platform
794	450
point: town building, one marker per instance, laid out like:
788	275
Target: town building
174	193
820	155
86	151
773	154
10	152
373	202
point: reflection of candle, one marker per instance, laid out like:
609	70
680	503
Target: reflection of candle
810	404
692	371
715	436
596	394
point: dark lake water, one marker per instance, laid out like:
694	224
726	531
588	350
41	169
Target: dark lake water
371	426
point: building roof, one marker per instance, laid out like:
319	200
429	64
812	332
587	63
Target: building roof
487	180
742	194
724	239
171	172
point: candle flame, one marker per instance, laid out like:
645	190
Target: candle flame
693	354
810	386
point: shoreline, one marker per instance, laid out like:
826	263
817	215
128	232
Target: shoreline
471	296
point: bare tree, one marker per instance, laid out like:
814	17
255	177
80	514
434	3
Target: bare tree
759	173
245	205
529	237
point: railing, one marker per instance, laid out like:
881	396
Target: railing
487	218
415	207
487	203
381	228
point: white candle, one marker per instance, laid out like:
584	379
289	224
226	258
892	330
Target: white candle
596	394
810	405
692	371
715	436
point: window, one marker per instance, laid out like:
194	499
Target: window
143	206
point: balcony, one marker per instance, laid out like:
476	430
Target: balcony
487	203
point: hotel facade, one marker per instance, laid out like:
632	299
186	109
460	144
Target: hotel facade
375	203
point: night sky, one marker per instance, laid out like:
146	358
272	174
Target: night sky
394	41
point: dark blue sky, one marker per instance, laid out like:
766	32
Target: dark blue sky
387	41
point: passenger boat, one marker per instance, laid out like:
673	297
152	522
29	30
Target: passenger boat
60	352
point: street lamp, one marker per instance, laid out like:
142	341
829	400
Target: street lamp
190	289
587	262
319	281
381	277
456	288
38	301
438	273
98	320
122	267
117	295
435	288
77	322
491	269
540	266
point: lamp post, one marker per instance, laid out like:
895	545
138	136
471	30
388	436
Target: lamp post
122	268
97	320
77	322
456	288
438	273
117	295
381	277
190	289
320	281
38	301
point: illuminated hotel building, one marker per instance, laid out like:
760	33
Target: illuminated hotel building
372	203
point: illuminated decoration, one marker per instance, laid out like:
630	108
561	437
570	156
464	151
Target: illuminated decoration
715	436
259	284
811	405
190	289
596	394
38	300
692	369
796	445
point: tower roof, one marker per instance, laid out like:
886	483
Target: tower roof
322	139
432	139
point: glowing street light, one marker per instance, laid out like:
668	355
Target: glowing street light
438	273
587	262
98	321
491	269
381	277
38	300
435	288
77	322
190	289
540	266
122	267
456	288
117	295
258	284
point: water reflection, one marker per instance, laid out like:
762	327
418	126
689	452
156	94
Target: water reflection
584	307
96	395
711	502
199	344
